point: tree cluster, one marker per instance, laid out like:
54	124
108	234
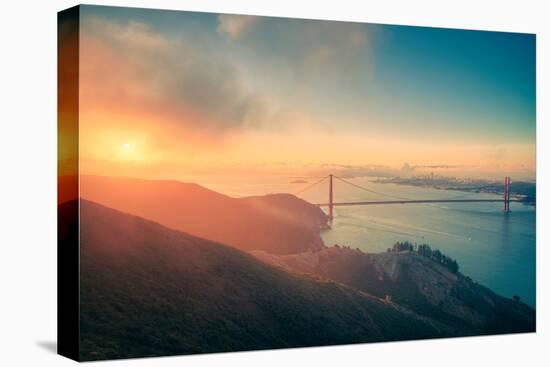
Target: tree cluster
426	251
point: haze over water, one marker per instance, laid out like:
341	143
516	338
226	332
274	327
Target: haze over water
495	249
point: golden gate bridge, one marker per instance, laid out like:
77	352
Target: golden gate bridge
397	199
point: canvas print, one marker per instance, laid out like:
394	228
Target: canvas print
234	182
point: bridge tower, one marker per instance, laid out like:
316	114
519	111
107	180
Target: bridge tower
330	201
507	183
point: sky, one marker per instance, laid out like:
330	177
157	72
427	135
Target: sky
166	92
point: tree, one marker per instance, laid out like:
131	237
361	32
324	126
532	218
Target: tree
403	246
437	256
452	265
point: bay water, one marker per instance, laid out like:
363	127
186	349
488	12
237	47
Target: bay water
494	248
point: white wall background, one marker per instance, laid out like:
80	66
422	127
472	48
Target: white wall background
28	182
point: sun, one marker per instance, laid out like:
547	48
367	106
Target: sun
129	152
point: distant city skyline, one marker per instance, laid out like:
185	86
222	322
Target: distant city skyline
166	92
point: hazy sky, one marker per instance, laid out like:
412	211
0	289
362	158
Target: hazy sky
165	92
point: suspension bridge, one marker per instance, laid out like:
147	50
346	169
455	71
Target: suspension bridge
392	199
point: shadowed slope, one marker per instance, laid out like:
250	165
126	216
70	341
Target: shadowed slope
147	290
280	224
418	283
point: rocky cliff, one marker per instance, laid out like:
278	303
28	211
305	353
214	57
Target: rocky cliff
417	283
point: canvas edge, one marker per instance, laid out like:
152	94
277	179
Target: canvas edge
68	256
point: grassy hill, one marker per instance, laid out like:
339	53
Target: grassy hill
147	290
281	224
417	283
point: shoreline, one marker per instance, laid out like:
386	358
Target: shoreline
526	196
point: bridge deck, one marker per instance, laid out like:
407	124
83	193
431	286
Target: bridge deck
418	202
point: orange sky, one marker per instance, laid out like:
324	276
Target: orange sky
153	103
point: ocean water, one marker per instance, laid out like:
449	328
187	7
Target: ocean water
494	248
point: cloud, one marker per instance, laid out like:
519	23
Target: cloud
352	170
305	47
438	166
329	45
131	68
235	27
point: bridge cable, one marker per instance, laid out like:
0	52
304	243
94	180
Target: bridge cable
369	190
310	186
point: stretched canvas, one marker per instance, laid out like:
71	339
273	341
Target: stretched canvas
233	182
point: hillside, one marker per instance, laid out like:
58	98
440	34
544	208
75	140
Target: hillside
147	290
418	283
280	223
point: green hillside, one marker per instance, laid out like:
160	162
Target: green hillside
149	291
418	283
